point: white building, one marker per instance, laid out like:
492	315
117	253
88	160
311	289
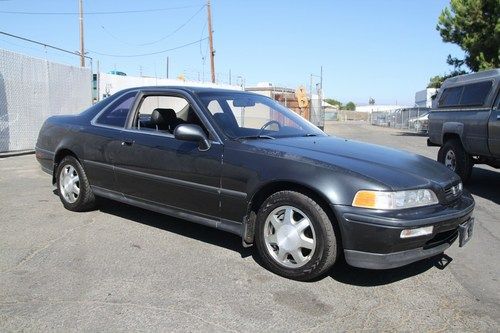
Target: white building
423	98
378	108
108	84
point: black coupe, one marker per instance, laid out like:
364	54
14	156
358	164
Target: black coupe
243	163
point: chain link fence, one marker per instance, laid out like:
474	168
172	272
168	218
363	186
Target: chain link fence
31	90
410	119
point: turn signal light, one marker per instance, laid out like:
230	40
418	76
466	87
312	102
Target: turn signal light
409	233
366	199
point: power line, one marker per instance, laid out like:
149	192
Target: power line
43	44
147	54
201	35
96	13
158	40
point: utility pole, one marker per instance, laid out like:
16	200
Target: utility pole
211	42
98	84
321	110
321	83
82	49
310	98
167	66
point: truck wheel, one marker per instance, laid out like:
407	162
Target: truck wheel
453	156
294	236
73	186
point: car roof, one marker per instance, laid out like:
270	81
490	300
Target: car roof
492	74
191	89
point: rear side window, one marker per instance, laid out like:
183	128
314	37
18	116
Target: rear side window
450	97
475	94
116	114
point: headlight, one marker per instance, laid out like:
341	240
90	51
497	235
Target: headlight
394	200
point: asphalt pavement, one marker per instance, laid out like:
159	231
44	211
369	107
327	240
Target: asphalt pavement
123	268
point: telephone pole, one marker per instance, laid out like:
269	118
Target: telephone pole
211	42
168	61
82	49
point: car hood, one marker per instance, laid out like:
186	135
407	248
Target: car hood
393	168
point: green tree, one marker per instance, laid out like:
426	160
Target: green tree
350	106
333	102
474	25
437	81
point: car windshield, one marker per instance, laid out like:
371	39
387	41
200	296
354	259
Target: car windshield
246	115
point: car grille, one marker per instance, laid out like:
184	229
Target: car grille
452	192
441	238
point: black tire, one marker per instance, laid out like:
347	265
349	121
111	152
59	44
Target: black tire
463	162
326	245
85	200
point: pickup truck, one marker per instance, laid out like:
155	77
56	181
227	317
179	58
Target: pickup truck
465	122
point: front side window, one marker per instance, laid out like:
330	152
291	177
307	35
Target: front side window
241	115
163	113
116	114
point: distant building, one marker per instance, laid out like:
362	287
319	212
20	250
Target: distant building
423	98
106	84
378	108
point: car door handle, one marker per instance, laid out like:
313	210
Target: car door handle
127	142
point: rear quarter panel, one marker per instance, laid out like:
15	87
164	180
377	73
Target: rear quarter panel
470	125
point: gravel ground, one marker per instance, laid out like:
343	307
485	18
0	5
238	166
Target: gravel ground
124	268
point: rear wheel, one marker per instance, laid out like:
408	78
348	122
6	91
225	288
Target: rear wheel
294	236
453	156
73	186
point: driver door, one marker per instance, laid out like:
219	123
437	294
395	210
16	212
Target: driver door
155	168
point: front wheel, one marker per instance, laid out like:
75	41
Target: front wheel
453	155
73	186
294	236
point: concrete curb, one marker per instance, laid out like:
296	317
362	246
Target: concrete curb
16	153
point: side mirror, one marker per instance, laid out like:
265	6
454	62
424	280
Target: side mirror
193	133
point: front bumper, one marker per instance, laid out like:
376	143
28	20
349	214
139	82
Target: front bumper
371	239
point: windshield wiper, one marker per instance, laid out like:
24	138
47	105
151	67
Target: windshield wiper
260	136
310	134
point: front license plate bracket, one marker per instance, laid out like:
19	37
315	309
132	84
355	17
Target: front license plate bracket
465	231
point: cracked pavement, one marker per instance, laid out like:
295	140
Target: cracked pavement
124	268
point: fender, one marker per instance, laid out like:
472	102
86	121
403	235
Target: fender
71	143
452	127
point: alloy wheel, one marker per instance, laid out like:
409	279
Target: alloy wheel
289	236
450	160
69	183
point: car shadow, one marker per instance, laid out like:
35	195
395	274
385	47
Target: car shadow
482	183
341	271
175	225
346	274
409	134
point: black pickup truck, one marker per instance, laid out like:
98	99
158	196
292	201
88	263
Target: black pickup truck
465	122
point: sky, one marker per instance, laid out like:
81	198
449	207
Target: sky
384	49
